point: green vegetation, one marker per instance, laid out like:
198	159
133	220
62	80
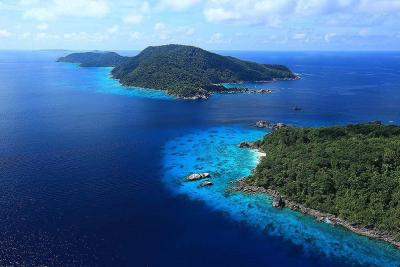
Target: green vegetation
94	59
187	71
352	172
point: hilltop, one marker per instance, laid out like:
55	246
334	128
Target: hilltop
94	59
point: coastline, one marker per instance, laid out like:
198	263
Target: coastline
242	185
206	95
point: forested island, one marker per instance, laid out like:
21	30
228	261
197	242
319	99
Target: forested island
183	71
346	175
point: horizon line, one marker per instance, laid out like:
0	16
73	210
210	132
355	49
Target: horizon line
224	50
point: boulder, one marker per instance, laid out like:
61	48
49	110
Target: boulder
279	125
246	145
263	124
198	176
206	183
278	202
369	226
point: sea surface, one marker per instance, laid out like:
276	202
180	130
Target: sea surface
92	173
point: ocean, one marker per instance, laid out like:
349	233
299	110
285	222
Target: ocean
91	173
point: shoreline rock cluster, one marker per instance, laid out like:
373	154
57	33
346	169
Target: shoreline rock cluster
279	201
206	94
246	91
251	145
270	125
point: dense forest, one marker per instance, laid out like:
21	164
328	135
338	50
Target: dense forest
94	59
352	171
183	71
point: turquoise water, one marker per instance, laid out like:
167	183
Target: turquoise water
99	79
215	150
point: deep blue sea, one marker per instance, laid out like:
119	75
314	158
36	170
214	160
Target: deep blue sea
91	173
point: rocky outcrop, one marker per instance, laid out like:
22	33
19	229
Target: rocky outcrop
278	202
263	124
252	145
198	176
221	89
242	185
270	125
201	95
279	125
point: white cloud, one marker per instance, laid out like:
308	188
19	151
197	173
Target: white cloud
162	31
76	36
299	36
86	36
133	19
135	36
139	11
220	14
328	37
42	26
4	33
27	2
188	31
160	26
274	12
45	36
177	5
216	38
113	29
25	35
75	8
173	33
363	32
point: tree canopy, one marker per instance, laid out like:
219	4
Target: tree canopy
350	171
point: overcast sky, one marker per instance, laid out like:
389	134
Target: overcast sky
211	24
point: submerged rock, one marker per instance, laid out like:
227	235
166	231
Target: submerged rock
198	176
206	183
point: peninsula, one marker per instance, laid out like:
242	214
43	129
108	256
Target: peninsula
183	71
344	175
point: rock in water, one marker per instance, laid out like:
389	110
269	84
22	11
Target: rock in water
252	145
246	145
279	125
263	124
206	183
198	176
278	202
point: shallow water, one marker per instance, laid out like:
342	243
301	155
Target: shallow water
215	151
90	173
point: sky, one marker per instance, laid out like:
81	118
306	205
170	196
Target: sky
211	24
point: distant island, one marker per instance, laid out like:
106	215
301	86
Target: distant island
345	175
183	71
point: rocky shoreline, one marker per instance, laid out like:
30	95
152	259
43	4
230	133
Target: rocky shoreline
205	95
279	201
